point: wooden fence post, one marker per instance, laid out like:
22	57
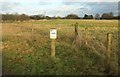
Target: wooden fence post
86	37
76	33
108	46
32	30
109	66
76	30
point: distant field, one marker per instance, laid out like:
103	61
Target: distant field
26	48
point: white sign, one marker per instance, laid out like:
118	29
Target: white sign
53	33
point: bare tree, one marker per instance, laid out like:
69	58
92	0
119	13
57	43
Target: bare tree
97	16
106	16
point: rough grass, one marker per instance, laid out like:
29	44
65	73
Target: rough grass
26	48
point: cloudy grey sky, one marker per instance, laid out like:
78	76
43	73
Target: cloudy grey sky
59	7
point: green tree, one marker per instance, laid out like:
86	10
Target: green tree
72	16
111	13
88	16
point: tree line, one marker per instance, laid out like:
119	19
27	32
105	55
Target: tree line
24	17
15	17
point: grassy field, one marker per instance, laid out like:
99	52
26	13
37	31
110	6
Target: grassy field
26	48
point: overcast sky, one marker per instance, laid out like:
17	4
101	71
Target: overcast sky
59	7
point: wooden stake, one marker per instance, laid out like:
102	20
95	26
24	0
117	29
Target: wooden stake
32	30
76	30
108	51
86	42
53	48
76	33
108	45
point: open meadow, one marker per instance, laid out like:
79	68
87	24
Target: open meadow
26	47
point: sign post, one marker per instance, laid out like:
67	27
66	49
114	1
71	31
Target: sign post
53	36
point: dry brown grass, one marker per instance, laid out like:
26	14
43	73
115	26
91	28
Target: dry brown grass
26	39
